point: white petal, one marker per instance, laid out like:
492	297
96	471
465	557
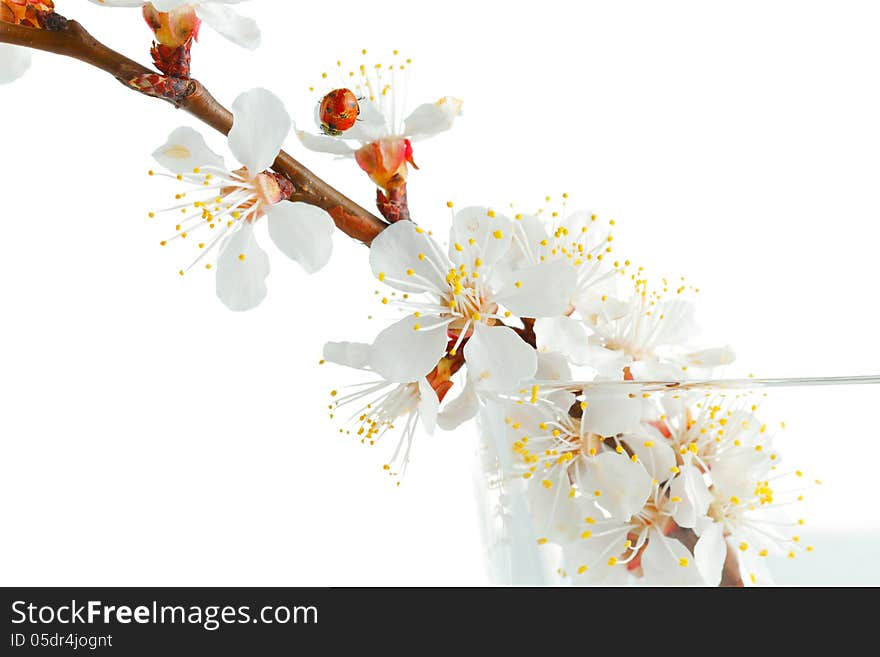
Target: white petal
498	359
552	367
588	555
395	251
14	61
159	4
241	30
241	282
371	124
350	354
260	126
690	486
460	409
624	486
608	363
556	514
609	413
541	290
324	144
711	357
709	554
429	404
479	232
753	568
678	325
303	232
666	562
186	150
403	354
650	369
531	231
654	453
564	335
432	118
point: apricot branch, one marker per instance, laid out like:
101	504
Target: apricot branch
69	38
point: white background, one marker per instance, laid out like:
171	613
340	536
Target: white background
149	436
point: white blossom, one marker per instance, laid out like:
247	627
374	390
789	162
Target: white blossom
384	402
229	202
381	140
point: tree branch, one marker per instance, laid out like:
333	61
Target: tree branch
69	38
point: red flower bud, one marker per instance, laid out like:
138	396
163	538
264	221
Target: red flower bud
384	159
176	28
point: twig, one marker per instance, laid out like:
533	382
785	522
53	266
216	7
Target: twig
69	38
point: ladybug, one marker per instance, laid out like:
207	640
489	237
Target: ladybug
339	110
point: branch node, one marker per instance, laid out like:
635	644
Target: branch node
54	22
392	202
167	88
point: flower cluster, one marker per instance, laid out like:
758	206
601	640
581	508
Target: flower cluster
663	501
620	484
567	357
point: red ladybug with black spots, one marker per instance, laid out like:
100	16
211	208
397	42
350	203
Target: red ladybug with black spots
339	111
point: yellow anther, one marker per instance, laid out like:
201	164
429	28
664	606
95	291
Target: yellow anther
683	562
586	534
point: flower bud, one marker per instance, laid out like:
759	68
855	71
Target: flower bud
175	28
25	12
384	159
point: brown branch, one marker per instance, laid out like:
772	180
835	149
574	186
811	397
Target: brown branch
69	38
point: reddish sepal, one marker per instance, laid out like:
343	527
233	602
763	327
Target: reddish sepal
392	203
172	61
161	86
